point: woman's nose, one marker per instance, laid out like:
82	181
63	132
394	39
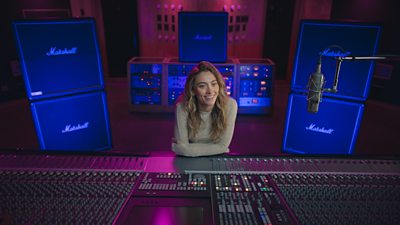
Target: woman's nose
208	89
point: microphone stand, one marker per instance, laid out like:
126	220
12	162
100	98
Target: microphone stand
339	61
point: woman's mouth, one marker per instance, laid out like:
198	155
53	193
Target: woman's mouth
209	97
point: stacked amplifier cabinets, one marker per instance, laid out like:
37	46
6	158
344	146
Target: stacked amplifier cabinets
156	83
333	129
64	83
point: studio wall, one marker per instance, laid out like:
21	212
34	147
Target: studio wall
158	25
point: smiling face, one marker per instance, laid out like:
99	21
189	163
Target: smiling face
206	90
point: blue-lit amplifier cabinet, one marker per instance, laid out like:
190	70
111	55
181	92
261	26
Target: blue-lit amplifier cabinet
177	73
333	130
146	83
75	122
55	63
255	86
64	83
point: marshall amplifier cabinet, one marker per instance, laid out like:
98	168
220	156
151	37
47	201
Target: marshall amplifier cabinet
76	123
333	130
333	39
58	57
203	36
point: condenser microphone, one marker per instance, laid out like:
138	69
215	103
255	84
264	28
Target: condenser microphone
315	87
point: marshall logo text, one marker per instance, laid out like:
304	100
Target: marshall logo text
54	51
70	128
313	127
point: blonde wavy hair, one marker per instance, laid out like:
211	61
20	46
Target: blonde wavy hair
218	113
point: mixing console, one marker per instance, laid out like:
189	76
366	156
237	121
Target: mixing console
63	197
59	162
342	198
248	198
298	165
173	184
112	189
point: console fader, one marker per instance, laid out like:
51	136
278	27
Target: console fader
248	199
63	197
173	184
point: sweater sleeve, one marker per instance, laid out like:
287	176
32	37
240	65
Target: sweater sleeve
182	145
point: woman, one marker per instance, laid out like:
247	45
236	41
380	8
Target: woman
205	114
